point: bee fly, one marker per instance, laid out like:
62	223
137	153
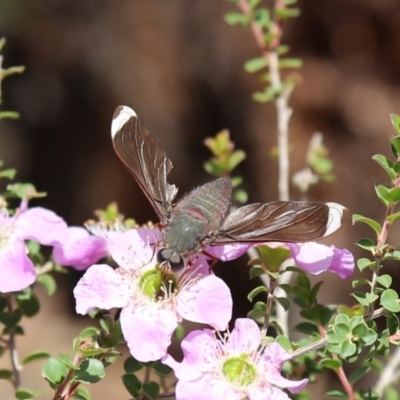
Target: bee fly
203	218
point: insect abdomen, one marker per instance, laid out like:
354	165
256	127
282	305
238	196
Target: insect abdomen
198	214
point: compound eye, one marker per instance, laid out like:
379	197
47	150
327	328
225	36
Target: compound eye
172	257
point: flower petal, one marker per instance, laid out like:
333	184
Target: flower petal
80	249
148	331
228	251
267	393
194	381
207	301
202	389
41	225
275	356
17	271
131	249
101	287
245	337
342	263
314	257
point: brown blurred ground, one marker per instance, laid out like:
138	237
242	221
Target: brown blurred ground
180	67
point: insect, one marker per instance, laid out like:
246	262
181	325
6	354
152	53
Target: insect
203	218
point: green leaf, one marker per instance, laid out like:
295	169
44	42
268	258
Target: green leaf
317	313
392	323
54	371
384	280
268	94
395	142
359	330
9	115
273	257
256	291
390	300
387	194
382	193
341	330
391	218
256	271
314	292
151	390
331	363
11	319
240	196
3	303
162	369
235	159
92	352
286	13
132	365
255	64
34	356
48	282
237	18
390	393
336	394
360	281
364	263
396	167
89	332
81	393
262	17
371	297
396	122
258	311
361	298
386	164
368	221
25	191
370	338
8	173
366	244
132	384
284	302
342	319
360	372
284	342
6	374
90	371
22	394
347	349
254	3
67	361
29	306
307	327
290	63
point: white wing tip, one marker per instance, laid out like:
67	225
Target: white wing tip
122	115
336	212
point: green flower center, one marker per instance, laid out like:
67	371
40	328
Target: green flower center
157	284
239	370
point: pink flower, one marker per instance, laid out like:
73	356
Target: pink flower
316	258
153	300
80	249
17	271
236	366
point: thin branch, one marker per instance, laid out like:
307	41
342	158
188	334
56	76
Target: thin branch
11	344
284	113
270	302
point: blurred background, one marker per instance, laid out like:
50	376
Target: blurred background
179	65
